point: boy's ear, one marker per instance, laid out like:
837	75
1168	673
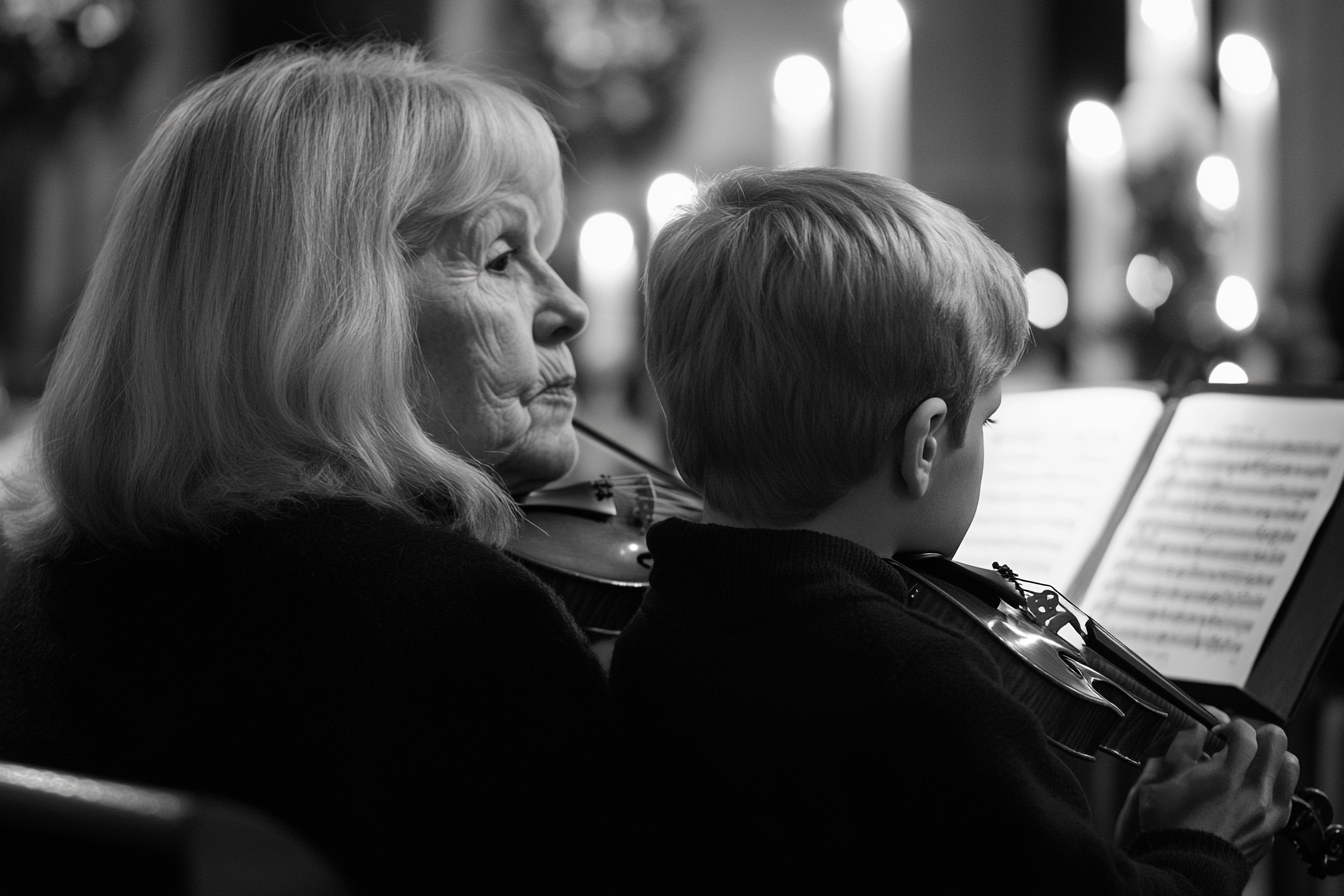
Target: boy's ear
919	447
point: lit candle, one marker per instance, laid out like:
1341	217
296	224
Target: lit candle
802	112
609	283
875	88
1165	109
1249	135
1165	39
1099	220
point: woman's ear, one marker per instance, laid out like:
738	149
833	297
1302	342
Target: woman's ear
919	447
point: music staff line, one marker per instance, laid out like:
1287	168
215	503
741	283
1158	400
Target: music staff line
1239	599
1222	485
1180	618
1262	468
1227	509
1207	574
1261	534
1248	556
1261	446
1199	641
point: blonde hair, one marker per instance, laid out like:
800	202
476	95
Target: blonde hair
796	317
246	335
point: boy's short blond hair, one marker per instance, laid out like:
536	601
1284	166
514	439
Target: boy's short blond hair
796	317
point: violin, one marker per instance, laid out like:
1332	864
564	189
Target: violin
587	540
1091	693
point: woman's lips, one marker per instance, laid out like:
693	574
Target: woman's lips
560	390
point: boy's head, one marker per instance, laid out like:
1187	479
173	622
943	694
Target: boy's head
796	318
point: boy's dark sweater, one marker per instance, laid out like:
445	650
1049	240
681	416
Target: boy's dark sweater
417	705
799	725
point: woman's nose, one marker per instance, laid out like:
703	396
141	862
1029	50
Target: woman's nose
562	314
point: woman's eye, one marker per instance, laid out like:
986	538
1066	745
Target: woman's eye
990	421
500	263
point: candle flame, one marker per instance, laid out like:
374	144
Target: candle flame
666	194
1236	303
876	26
1095	130
1047	298
1218	183
607	240
1171	19
802	85
1244	64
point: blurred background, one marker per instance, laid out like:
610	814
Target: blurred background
1169	172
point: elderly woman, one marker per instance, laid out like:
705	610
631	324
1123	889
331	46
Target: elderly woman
260	540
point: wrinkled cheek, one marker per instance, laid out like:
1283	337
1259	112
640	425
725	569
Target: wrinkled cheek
547	452
489	433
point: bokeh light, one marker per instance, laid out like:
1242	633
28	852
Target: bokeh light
876	26
1148	280
1236	303
607	241
802	85
101	23
1228	372
666	194
1244	64
1218	183
1172	19
1095	130
1047	298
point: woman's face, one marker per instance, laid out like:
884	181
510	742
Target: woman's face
492	324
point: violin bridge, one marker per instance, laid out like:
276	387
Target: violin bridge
1045	607
635	500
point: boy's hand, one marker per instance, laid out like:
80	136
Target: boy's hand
1242	793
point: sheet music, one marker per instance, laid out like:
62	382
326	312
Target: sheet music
1215	534
1055	465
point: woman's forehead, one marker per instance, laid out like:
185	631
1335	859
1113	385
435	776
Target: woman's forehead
544	194
544	183
538	211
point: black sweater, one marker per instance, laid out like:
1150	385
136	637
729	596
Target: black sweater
418	705
802	727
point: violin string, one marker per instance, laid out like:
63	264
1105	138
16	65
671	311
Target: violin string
669	499
638	460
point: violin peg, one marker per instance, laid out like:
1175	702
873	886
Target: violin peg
1319	804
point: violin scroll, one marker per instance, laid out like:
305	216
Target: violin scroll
1318	842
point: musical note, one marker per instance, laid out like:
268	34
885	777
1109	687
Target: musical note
1213	538
1055	465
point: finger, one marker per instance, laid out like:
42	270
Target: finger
1271	746
1218	714
1285	783
1242	745
1187	748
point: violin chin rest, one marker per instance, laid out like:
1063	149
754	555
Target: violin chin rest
986	584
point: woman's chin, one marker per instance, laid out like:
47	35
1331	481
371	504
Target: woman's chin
540	462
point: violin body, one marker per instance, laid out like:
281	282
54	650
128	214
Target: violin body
587	542
1084	703
1090	692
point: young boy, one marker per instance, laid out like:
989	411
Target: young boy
828	346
